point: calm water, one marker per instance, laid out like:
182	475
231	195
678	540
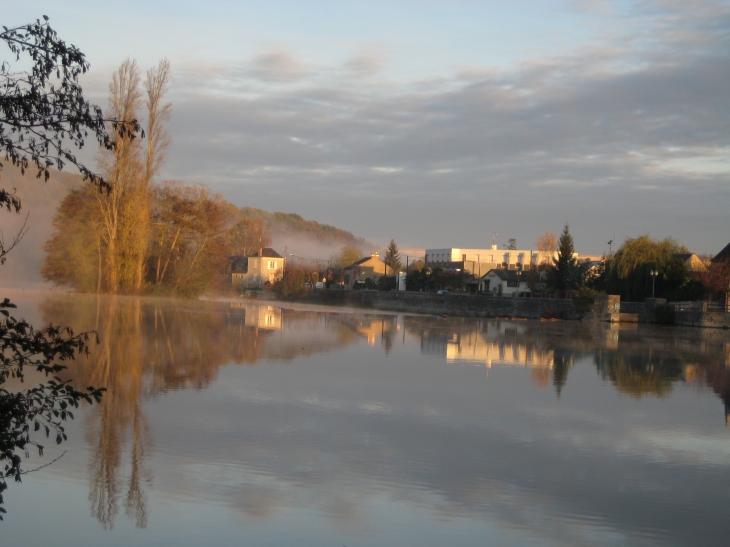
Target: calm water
248	425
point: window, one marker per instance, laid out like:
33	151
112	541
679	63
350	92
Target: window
511	283
272	264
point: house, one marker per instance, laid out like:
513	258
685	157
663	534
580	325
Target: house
692	262
502	282
369	266
722	256
251	272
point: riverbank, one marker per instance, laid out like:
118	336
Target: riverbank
483	306
462	305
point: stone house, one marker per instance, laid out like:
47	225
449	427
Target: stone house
251	272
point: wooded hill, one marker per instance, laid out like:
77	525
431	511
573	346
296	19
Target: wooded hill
282	224
40	201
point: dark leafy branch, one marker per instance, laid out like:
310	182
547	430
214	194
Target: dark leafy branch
44	407
44	118
43	114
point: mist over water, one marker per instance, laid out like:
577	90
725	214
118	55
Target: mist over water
238	423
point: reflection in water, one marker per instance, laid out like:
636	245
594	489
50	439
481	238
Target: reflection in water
638	362
153	346
149	346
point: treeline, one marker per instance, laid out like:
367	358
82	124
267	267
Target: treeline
139	236
291	223
135	235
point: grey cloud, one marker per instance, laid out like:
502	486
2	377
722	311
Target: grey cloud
276	66
616	120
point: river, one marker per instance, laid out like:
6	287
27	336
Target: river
244	424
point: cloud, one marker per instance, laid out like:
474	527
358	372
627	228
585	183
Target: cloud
551	138
276	66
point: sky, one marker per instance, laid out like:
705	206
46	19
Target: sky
439	123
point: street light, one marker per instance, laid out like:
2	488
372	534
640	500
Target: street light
653	273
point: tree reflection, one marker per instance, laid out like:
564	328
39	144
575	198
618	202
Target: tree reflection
150	346
637	361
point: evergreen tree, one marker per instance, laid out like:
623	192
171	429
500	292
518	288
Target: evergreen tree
567	272
392	258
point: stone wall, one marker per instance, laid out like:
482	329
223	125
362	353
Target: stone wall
699	318
463	305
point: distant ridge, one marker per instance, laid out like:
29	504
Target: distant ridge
292	224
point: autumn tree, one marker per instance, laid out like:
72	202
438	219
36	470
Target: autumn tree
546	244
716	279
74	251
122	205
188	245
158	141
346	256
249	235
291	283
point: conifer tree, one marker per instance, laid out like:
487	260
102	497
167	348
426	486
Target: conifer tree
567	272
392	257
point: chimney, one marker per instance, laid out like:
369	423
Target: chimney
261	252
494	246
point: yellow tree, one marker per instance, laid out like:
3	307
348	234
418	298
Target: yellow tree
158	141
119	206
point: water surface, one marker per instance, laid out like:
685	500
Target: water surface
238	424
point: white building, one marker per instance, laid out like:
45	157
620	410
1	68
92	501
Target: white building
480	261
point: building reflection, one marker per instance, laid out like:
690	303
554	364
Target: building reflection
494	342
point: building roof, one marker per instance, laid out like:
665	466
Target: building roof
363	261
722	255
267	252
507	275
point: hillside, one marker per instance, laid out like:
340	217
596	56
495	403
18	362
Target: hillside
39	201
285	226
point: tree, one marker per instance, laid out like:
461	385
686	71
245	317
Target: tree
188	244
392	258
633	262
547	244
123	205
566	272
249	235
716	279
291	283
74	250
42	122
347	255
39	123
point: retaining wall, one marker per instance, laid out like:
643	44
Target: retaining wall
699	318
464	305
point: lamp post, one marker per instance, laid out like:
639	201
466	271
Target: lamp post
653	273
